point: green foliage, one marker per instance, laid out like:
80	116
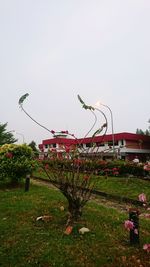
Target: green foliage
22	98
16	161
146	132
34	148
6	137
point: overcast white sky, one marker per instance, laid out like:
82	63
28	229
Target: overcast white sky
54	50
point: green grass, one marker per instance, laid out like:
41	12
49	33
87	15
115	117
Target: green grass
127	187
27	242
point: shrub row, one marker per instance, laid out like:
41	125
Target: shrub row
99	167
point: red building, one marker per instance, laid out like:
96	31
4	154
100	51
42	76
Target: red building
124	146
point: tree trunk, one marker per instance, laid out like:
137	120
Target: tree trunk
75	211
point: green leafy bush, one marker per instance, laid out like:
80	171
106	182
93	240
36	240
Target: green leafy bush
16	161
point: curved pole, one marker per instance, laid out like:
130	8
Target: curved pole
112	127
13	131
23	139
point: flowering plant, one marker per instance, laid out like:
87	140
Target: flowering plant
142	198
146	247
132	224
128	225
66	169
16	162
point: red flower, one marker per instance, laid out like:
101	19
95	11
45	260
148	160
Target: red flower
77	162
46	166
59	154
52	131
67	149
64	132
9	155
53	150
102	162
86	177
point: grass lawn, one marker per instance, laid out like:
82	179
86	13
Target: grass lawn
27	242
127	187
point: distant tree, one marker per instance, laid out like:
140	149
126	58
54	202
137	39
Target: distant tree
6	137
34	148
149	125
139	131
146	132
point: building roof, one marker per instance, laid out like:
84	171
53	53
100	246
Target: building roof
96	139
117	136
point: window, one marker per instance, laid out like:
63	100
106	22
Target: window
100	144
116	143
110	143
89	145
122	142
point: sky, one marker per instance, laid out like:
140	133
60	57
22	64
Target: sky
56	49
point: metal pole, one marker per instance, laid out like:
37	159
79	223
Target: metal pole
22	137
134	233
27	183
112	128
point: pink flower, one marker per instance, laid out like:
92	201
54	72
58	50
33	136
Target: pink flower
128	225
146	247
136	231
142	197
115	169
147	167
147	215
